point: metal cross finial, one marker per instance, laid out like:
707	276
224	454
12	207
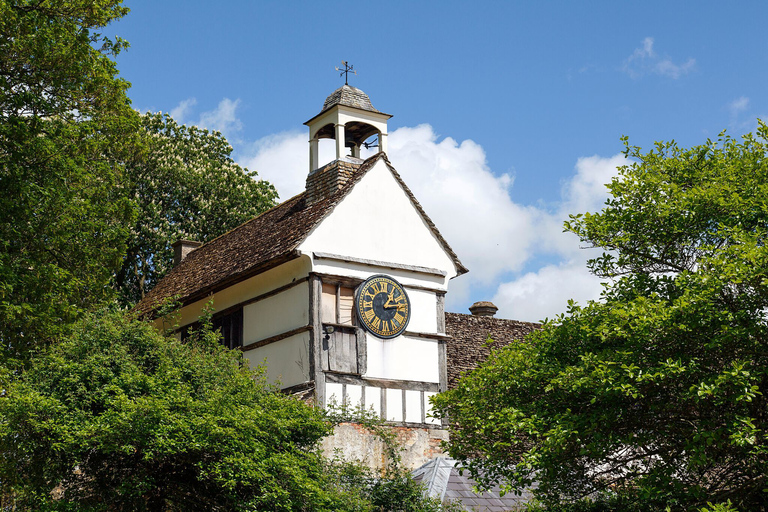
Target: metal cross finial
346	70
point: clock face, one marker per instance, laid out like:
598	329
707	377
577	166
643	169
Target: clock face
382	306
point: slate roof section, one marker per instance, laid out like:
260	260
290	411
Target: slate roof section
259	244
443	480
350	97
468	347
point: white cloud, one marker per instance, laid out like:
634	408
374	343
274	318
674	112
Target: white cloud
223	118
738	105
668	68
181	112
545	293
741	117
587	191
644	60
470	205
282	159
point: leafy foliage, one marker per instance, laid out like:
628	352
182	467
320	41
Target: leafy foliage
658	391
185	186
120	418
64	120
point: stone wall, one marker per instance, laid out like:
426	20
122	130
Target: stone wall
417	445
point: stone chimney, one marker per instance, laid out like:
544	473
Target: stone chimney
182	248
329	178
483	308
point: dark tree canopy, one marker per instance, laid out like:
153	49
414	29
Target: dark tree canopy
64	121
658	392
185	186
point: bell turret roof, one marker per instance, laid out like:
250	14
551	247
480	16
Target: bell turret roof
350	97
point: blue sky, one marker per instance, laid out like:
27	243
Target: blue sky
507	115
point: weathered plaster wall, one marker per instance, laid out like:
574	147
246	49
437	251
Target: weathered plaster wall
355	442
287	360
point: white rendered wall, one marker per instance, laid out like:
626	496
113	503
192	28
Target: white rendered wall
423	311
277	314
287	360
403	358
377	221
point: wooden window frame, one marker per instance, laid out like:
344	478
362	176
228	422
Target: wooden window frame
235	318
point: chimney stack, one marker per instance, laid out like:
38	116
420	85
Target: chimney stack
483	308
326	180
182	248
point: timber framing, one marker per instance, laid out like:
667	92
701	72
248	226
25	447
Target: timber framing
410	385
276	337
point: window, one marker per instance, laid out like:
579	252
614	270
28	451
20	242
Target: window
230	325
231	328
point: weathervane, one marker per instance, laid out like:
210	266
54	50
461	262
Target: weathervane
346	70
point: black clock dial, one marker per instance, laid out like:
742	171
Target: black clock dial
382	306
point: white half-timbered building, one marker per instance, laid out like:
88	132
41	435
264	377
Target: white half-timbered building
291	288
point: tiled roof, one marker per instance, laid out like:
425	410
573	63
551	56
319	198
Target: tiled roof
468	348
443	480
264	242
349	96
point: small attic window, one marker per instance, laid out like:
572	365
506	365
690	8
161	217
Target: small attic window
338	304
230	325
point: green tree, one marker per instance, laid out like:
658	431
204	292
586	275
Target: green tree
64	120
119	417
185	186
656	393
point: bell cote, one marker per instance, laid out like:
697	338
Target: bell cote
350	119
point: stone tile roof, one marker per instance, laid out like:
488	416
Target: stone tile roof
259	244
468	347
443	480
349	96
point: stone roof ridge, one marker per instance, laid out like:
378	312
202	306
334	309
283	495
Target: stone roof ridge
350	97
460	268
493	319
